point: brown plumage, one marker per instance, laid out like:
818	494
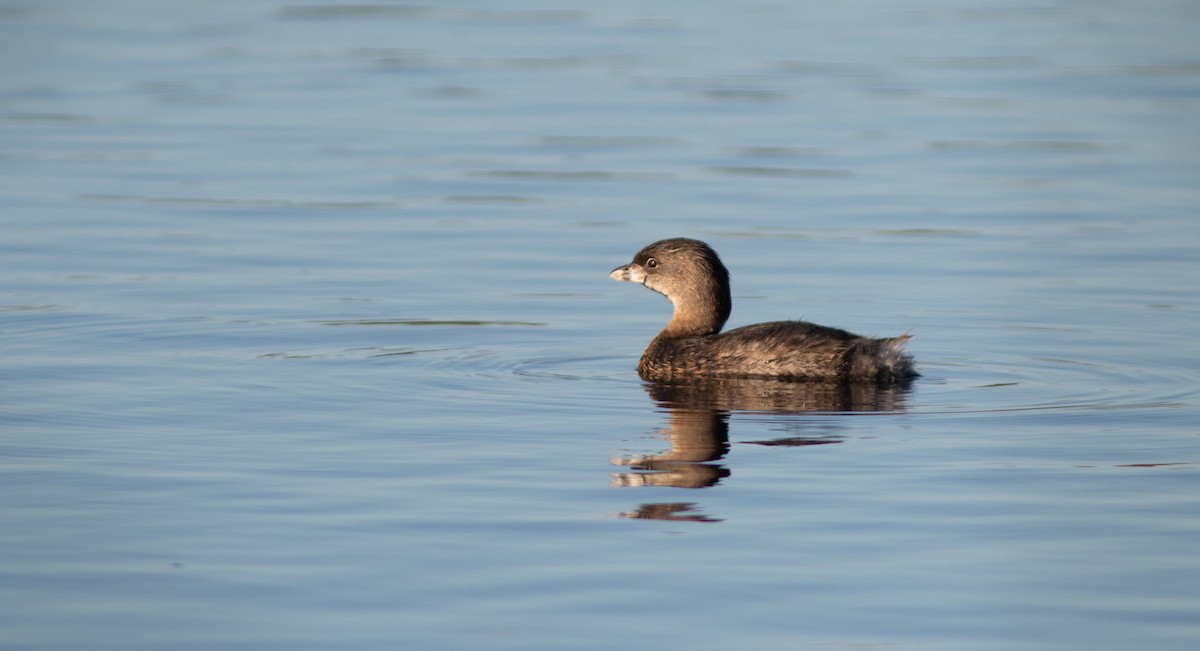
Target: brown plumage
692	276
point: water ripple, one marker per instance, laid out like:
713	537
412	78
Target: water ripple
1053	384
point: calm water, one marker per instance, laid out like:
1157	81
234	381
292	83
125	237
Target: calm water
308	342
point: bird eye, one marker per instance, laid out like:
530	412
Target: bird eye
651	263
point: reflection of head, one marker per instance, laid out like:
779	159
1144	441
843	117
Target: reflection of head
697	437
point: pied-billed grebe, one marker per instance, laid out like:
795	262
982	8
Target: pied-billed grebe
690	274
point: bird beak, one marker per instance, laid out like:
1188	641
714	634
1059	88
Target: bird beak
629	273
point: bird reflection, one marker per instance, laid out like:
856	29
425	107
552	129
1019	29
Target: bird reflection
697	437
698	429
675	511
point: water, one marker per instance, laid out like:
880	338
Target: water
308	340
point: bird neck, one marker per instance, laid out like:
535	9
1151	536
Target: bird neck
689	321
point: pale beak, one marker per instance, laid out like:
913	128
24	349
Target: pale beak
631	273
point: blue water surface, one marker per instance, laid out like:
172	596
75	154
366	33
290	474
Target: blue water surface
308	342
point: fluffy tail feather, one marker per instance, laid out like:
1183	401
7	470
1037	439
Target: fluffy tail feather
883	360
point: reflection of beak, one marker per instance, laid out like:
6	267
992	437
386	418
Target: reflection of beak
629	273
